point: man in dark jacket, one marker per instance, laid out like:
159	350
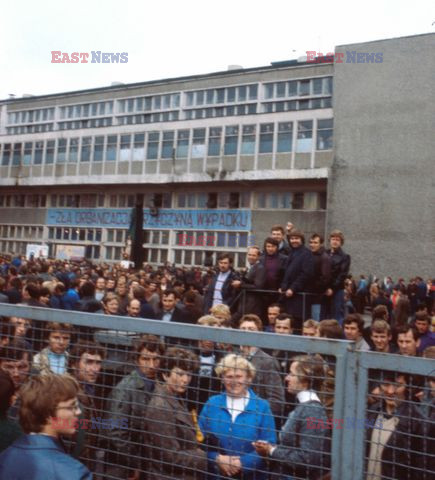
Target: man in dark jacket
221	288
340	265
297	278
321	280
395	430
254	279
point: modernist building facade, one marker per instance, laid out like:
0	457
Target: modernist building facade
217	158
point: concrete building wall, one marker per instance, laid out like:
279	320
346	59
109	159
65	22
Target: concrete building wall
381	188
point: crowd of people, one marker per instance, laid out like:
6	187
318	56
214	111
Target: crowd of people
169	408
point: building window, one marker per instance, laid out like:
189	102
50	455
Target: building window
182	150
16	159
266	138
112	146
231	140
168	144
305	136
139	147
153	145
61	150
85	154
214	141
99	149
285	137
298	201
125	148
49	152
198	143
39	150
6	154
324	134
248	140
73	150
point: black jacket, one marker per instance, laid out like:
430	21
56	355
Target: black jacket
299	270
321	280
340	265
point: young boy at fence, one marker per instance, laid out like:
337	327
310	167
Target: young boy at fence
49	408
54	358
85	364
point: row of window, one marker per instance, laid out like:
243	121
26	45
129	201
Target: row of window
283	137
16	231
75	234
295	88
262	200
152	103
39	128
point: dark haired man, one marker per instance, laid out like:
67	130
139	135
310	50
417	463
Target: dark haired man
321	278
221	288
127	407
353	330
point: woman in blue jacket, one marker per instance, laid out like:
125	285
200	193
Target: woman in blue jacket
232	421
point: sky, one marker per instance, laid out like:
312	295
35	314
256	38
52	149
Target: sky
172	38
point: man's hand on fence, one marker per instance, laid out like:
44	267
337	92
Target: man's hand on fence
289	293
229	465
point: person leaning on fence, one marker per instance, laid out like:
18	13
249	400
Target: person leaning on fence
395	431
304	448
175	452
127	406
231	421
49	408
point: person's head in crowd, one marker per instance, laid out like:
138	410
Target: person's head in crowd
336	239
353	327
189	298
59	289
133	308
205	345
111	303
316	242
273	311
21	326
310	328
277	232
149	353
87	290
86	361
31	291
100	284
110	284
407	338
253	255
122	280
132	285
7	391
138	293
225	262
15	360
422	323
430	353
169	300
394	387
2	284
330	328
421	308
307	372
271	246
58	336
236	373
222	313
121	290
47	399
45	295
380	334
177	367
251	323
296	238
283	324
380	312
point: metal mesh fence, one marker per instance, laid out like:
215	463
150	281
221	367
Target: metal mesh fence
172	401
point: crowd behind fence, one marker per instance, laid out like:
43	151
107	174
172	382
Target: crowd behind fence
165	400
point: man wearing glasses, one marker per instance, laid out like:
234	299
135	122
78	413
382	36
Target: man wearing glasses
49	408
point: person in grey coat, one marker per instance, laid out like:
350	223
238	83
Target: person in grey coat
304	447
127	406
171	438
267	383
